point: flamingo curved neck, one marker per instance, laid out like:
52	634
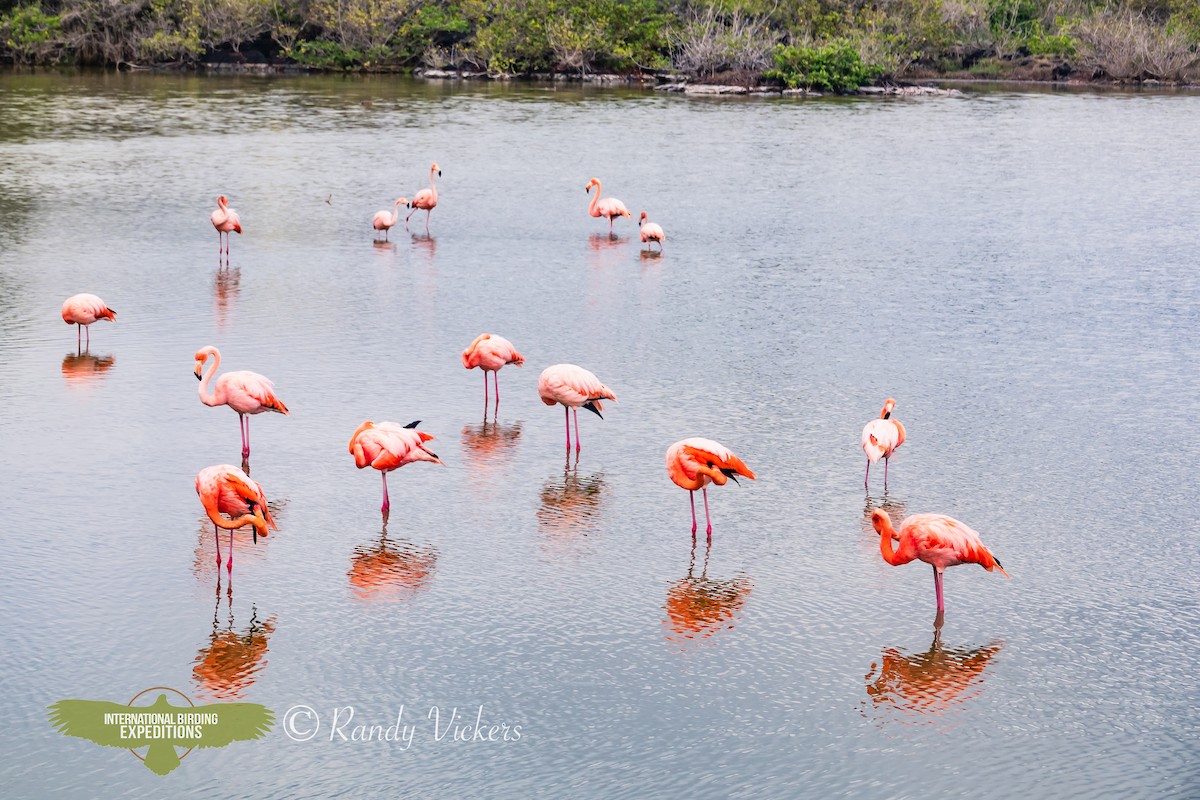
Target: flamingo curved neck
891	554
432	185
395	212
595	212
207	397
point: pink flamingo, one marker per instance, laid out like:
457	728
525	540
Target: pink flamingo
695	463
225	220
650	231
935	539
575	388
224	488
383	221
244	391
84	309
605	207
490	353
426	198
880	438
387	446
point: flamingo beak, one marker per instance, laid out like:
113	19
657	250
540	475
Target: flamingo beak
439	173
197	374
732	476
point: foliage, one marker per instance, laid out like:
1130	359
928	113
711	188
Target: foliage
31	35
713	41
832	67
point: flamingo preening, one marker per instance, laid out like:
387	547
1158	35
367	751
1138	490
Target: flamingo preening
880	438
490	353
225	489
84	309
387	446
226	221
695	463
574	387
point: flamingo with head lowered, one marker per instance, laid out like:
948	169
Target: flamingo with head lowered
880	438
82	310
387	446
650	231
574	387
383	221
225	489
490	353
426	198
226	221
609	207
244	391
696	462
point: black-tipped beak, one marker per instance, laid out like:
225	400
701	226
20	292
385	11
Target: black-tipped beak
197	374
590	406
439	173
731	475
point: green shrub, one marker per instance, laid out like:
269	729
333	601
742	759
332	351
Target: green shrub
30	35
833	67
1041	43
321	54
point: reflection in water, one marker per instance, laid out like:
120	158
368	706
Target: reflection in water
226	287
650	255
909	687
489	444
698	608
600	242
896	509
425	244
570	503
204	556
81	368
231	660
387	571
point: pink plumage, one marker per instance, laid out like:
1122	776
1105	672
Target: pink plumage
650	232
426	198
880	438
244	391
574	387
387	446
383	221
226	221
83	310
609	207
225	489
490	353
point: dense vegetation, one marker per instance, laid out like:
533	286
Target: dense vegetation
830	44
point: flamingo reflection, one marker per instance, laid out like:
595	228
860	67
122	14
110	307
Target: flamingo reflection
912	687
895	507
387	571
81	368
230	662
245	550
489	444
570	503
700	607
226	288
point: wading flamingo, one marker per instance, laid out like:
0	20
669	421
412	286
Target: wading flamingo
651	232
387	446
490	353
575	388
605	207
695	463
383	221
244	391
426	198
84	309
225	220
881	437
225	489
935	539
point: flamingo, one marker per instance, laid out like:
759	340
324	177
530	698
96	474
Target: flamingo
224	488
225	220
651	232
383	221
387	446
881	437
426	198
574	387
605	207
84	309
244	391
695	463
935	539
490	353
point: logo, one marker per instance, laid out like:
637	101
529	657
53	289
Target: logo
160	727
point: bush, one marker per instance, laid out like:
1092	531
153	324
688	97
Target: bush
711	42
833	67
1130	47
30	35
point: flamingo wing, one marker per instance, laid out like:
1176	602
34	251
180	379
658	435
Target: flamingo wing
710	453
245	385
572	386
879	438
946	541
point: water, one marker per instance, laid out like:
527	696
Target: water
1016	269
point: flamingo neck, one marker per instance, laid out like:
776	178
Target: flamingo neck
595	202
432	185
395	212
207	397
891	554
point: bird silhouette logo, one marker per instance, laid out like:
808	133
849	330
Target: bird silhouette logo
162	728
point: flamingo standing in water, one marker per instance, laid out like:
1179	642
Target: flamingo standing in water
84	309
225	220
880	438
605	206
935	539
244	391
490	353
426	198
383	221
695	463
387	446
575	388
225	489
650	231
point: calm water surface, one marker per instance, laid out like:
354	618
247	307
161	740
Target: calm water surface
1017	269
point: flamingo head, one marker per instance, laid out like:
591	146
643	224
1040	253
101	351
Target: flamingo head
888	405
643	219
880	521
436	168
260	521
403	201
593	182
222	201
202	356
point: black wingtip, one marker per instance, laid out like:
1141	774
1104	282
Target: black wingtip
413	424
590	406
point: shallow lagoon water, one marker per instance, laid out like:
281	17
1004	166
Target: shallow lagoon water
1017	269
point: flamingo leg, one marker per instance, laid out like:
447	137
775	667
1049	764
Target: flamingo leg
217	539
707	518
243	428
937	588
428	214
577	445
496	380
485	391
406	219
229	563
386	503
78	335
867	479
886	459
87	336
692	496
